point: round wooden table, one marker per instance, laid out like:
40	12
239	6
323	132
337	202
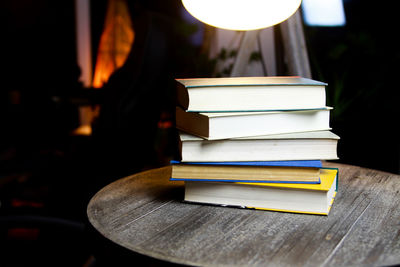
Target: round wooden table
145	213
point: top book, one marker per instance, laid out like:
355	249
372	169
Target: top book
250	94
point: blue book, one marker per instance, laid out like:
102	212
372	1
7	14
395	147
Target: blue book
302	171
286	163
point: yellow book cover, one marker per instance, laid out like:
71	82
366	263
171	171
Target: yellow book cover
327	176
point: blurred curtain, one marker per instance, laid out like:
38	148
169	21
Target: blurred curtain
115	41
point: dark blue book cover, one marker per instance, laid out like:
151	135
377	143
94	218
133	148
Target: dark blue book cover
287	163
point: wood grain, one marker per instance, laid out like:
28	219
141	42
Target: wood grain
145	213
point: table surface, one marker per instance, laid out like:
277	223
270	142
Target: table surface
145	213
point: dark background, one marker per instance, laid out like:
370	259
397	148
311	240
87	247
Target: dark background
360	64
47	175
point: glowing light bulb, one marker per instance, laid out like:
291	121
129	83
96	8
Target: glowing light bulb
241	15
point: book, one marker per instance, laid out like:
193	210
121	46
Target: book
293	146
250	94
271	171
223	125
297	198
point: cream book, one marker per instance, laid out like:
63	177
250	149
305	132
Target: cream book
248	171
250	94
291	146
297	198
224	125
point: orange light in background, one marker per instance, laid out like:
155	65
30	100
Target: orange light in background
115	42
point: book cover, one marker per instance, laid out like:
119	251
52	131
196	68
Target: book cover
226	125
250	94
275	171
278	163
248	81
295	198
291	146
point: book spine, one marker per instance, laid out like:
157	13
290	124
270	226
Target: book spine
182	96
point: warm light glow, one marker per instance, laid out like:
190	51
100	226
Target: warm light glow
115	42
241	15
85	130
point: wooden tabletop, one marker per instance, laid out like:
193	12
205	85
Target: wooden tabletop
145	213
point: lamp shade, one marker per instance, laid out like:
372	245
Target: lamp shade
241	15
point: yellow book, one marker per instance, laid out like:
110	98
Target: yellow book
297	198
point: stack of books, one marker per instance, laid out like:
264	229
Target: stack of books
256	142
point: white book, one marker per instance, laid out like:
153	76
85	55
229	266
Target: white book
224	125
250	94
298	198
318	145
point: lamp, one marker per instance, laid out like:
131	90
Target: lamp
242	15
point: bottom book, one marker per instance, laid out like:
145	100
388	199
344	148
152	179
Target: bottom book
297	198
